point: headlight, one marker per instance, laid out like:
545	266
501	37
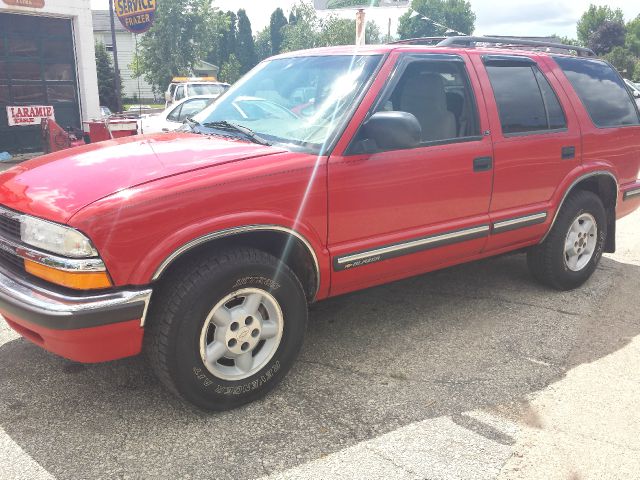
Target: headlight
55	238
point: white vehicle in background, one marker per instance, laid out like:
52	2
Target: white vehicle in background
634	89
173	117
183	87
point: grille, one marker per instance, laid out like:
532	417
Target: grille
9	228
9	224
12	262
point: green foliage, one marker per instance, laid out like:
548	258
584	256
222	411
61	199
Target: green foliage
304	31
246	48
277	23
624	60
342	31
632	39
178	39
593	18
263	44
230	71
106	76
454	14
607	36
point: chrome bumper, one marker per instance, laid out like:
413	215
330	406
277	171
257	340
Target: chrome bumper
21	300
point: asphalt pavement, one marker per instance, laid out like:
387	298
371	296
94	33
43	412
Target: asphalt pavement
472	372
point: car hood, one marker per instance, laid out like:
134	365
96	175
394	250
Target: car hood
58	185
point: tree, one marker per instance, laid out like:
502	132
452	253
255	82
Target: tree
304	32
428	18
246	48
263	44
593	18
230	71
178	39
608	35
223	37
277	23
106	75
342	31
632	39
624	60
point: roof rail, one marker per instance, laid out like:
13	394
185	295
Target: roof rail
510	42
419	41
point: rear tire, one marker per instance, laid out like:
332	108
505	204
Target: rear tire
224	330
571	252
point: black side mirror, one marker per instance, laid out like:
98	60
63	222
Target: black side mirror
393	130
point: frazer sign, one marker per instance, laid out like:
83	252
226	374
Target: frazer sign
137	16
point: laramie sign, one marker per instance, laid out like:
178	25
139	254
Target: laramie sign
25	3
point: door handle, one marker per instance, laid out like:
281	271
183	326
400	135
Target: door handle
568	153
482	164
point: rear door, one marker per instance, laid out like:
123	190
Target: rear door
394	213
536	145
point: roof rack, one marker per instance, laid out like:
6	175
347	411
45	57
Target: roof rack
502	42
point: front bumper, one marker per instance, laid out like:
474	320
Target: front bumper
83	328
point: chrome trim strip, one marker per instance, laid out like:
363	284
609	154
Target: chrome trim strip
631	193
575	182
53	261
56	304
460	234
519	220
236	231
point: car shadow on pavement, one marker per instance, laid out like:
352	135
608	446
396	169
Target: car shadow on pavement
472	336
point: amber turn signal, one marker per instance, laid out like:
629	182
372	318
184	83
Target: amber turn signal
75	280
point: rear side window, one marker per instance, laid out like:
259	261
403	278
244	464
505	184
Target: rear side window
526	101
601	91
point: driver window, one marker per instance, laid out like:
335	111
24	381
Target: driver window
439	95
180	93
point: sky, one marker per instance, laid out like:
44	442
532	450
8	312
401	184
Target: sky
494	17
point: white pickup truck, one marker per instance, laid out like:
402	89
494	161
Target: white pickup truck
184	87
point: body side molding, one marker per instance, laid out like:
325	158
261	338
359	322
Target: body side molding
237	231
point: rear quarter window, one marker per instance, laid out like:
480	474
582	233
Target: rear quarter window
601	90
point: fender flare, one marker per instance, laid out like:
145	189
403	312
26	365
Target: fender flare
594	173
238	231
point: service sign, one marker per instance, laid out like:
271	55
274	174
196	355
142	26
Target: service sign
137	16
29	115
26	3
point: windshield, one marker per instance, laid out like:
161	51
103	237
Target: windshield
299	100
198	89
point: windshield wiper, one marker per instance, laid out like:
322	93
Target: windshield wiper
232	127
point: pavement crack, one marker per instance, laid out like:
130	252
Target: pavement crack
392	461
506	300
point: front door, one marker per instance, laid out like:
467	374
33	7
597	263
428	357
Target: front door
402	212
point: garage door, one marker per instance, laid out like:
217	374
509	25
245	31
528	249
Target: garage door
37	67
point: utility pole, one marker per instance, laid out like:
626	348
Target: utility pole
116	68
360	27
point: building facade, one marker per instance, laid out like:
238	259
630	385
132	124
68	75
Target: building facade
126	42
47	68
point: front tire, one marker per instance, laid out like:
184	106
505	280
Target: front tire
225	330
572	250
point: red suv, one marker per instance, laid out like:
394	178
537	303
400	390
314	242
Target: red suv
319	173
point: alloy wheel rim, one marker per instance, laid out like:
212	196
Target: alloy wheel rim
580	242
241	334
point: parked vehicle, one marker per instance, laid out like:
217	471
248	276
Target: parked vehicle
635	90
183	87
203	247
173	117
105	112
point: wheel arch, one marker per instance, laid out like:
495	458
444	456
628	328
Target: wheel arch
604	184
283	243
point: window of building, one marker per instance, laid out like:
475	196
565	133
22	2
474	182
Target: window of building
601	90
526	102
